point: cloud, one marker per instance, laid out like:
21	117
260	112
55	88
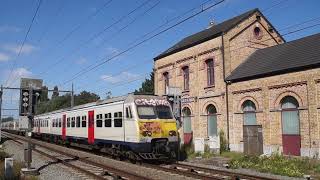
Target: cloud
81	61
112	50
6	28
15	76
27	48
122	77
4	57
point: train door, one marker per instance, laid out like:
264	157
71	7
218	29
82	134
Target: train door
63	133
90	127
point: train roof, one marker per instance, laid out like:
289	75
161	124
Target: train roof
127	98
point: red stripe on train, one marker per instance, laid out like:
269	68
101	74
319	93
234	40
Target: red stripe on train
64	127
90	127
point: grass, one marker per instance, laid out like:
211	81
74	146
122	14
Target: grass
278	164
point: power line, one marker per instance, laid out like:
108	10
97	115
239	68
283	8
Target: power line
155	29
95	36
124	27
285	34
24	40
84	69
145	40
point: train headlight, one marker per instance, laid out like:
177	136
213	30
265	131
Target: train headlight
149	133
172	133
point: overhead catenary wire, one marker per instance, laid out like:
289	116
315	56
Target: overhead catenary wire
249	46
145	40
96	35
202	5
177	17
121	29
24	40
155	29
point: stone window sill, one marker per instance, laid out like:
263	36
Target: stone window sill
209	87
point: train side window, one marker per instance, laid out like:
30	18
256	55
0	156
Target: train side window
68	122
84	121
78	121
128	112
99	120
118	119
59	122
52	122
107	120
72	121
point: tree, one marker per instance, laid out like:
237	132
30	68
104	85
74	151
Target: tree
147	87
55	92
85	97
64	101
44	94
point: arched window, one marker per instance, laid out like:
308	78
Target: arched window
185	78
166	81
186	115
249	113
290	115
210	72
212	120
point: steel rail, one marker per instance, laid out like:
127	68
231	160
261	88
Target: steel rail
233	175
110	169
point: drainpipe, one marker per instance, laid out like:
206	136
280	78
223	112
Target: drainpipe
226	90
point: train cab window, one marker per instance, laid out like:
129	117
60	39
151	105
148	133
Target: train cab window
78	121
99	120
117	119
107	120
73	123
84	121
59	122
128	112
68	122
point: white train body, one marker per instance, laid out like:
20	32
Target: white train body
115	124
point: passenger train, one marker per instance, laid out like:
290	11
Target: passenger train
140	127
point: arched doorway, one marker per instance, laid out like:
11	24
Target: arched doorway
212	121
187	128
291	139
249	113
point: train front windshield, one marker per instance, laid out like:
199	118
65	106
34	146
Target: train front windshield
154	112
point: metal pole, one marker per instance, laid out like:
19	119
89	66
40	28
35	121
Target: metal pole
1	92
30	117
72	96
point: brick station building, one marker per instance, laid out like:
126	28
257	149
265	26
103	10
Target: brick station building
242	72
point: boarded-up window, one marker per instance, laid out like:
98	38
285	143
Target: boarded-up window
210	72
166	81
185	77
212	120
290	116
186	116
249	113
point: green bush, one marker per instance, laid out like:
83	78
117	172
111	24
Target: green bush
223	142
277	164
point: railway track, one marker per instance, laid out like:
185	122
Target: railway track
85	166
99	170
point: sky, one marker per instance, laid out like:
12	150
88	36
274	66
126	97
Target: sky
67	38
